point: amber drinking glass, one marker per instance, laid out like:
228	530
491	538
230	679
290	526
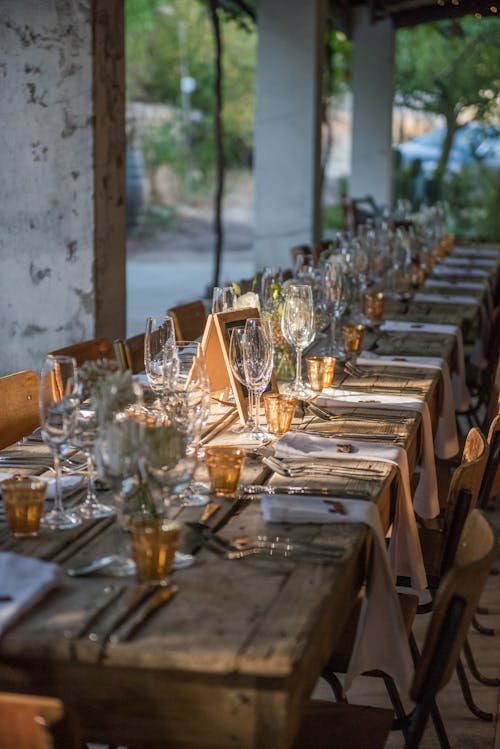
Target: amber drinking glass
23	500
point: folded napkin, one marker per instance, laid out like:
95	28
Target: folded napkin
464	261
420	296
381	641
425	500
26	580
450	270
436	283
69	483
461	395
405	553
476	252
446	439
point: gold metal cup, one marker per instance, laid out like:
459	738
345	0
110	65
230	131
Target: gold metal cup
320	371
280	410
224	465
24	500
353	337
373	305
153	542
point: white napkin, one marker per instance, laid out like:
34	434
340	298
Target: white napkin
461	395
476	252
456	299
405	553
69	483
436	283
446	439
464	261
26	580
381	641
450	270
425	500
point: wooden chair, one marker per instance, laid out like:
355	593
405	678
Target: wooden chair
129	353
18	406
33	722
189	320
91	350
346	726
490	486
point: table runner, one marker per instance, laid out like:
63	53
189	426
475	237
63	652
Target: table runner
461	395
405	553
446	440
381	641
426	499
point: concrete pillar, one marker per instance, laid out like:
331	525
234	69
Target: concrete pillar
373	90
288	127
62	207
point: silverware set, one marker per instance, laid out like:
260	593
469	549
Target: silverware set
269	547
369	372
299	467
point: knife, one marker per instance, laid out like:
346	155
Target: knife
128	628
131	601
100	603
256	489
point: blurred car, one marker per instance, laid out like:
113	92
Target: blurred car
471	143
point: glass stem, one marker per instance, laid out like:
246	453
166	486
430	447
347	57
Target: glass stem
332	331
298	368
58	503
251	411
91	495
257	409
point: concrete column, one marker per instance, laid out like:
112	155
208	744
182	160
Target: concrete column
288	127
62	206
373	90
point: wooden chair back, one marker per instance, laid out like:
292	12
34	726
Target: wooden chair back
490	486
454	607
18	406
189	320
129	353
469	474
301	249
91	350
33	722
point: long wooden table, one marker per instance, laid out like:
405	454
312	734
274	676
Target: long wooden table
232	659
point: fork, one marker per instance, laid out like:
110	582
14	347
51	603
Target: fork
370	371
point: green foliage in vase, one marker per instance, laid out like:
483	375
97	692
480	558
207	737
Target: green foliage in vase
91	374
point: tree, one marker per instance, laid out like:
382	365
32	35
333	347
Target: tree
452	70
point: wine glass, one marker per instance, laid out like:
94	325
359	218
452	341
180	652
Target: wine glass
297	324
236	357
258	359
119	439
159	332
272	278
57	413
223	298
334	299
84	437
187	388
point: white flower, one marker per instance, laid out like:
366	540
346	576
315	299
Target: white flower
250	299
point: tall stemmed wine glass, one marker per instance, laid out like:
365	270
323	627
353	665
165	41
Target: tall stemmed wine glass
258	358
119	441
297	324
236	358
186	395
334	299
57	404
159	332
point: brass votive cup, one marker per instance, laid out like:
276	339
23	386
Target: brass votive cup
373	305
24	500
153	543
353	337
224	469
320	371
280	410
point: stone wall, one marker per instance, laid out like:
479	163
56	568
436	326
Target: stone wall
47	297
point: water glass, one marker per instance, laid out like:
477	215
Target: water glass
154	543
23	501
224	467
223	298
320	371
280	410
159	332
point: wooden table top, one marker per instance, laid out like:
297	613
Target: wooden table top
232	659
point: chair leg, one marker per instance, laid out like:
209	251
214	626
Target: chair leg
482	629
476	673
464	684
335	685
435	714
